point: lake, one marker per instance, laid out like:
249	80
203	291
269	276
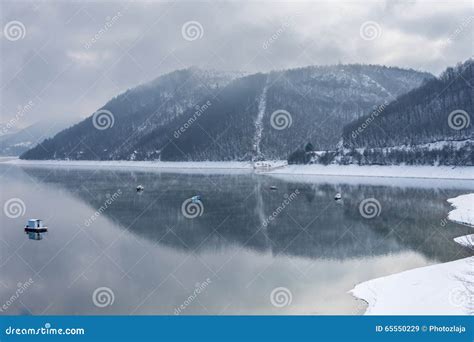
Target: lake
252	243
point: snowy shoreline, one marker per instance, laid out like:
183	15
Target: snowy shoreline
395	171
427	172
442	289
126	164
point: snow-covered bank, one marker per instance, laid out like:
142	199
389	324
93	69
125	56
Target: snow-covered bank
396	171
466	240
125	164
463	214
464	209
443	289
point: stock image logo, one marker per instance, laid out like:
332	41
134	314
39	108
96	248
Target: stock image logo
459	119
285	25
198	111
21	288
14	30
103	296
14	208
192	207
198	289
281	119
459	296
370	30
109	23
192	30
370	208
281	297
110	199
103	119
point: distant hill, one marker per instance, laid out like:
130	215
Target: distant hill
16	143
196	114
134	114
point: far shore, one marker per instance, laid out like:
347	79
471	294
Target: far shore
272	168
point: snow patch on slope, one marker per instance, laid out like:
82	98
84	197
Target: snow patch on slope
369	80
262	105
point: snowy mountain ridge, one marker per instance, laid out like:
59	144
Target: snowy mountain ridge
237	125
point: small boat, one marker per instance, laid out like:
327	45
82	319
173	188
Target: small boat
196	199
36	226
337	196
273	187
140	188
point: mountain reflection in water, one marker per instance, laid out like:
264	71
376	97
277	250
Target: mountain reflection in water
142	246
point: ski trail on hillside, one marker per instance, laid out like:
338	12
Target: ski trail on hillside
262	105
378	85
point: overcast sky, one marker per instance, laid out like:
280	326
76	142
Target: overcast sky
69	57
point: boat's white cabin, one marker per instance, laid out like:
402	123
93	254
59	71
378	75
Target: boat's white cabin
35	223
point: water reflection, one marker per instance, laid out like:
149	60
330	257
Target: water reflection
140	245
35	235
235	208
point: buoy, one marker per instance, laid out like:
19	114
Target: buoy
140	188
338	196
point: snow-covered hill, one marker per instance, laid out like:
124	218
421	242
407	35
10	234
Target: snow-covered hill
196	114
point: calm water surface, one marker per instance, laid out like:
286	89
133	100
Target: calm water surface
102	233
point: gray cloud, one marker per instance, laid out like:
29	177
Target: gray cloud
77	55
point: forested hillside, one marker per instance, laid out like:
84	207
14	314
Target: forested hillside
428	125
421	116
195	114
